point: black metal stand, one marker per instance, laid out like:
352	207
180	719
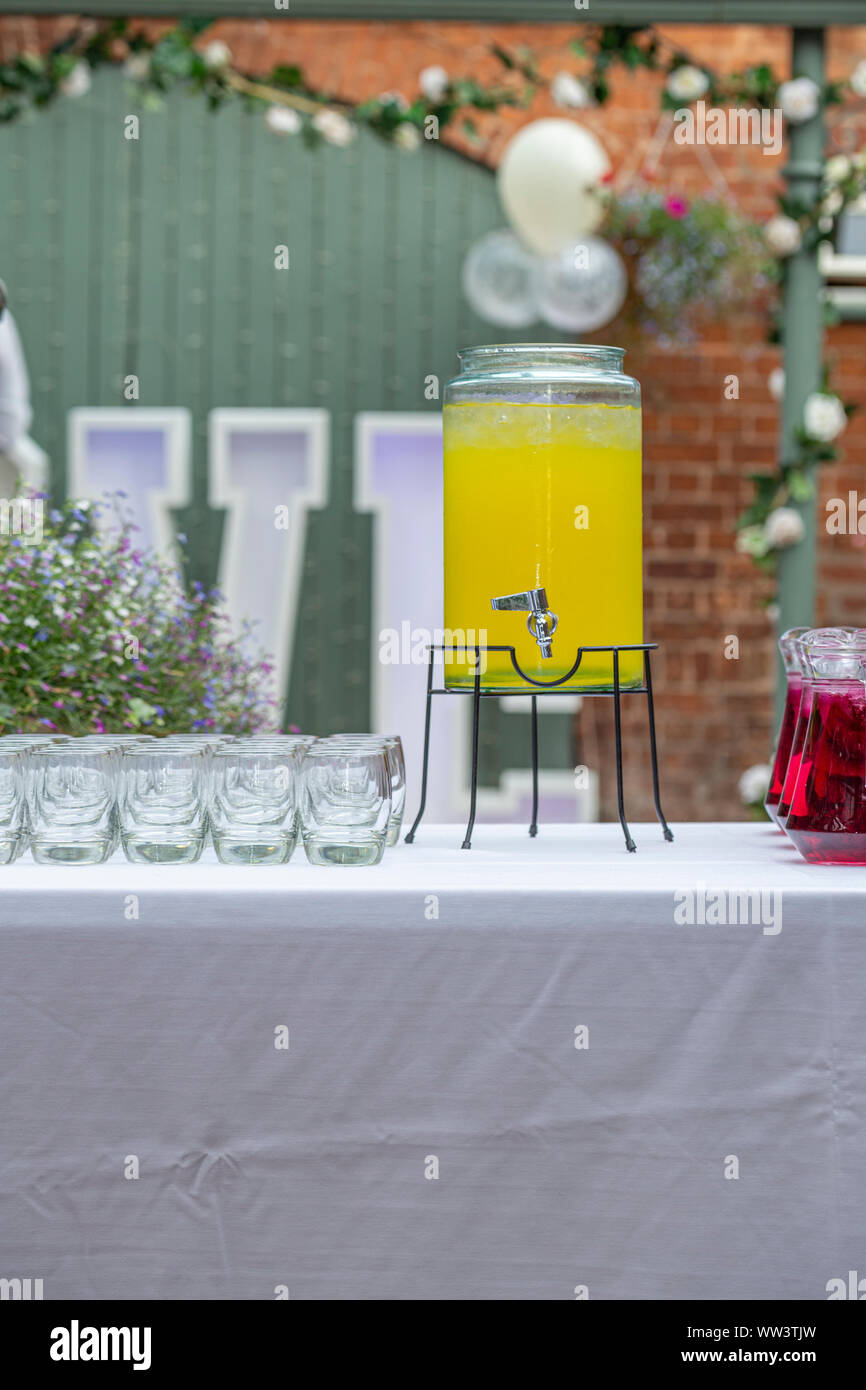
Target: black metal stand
544	688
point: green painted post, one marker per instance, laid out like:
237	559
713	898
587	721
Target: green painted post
802	333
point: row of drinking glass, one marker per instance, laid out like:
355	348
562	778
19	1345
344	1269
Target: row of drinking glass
75	800
817	791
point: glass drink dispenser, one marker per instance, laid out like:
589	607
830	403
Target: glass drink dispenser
542	515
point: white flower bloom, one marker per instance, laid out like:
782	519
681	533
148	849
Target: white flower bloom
837	168
137	67
782	235
798	99
687	83
31	621
216	55
568	90
407	136
334	128
776	383
858	79
751	541
394	99
782	528
78	82
824	417
282	120
832	203
754	783
434	83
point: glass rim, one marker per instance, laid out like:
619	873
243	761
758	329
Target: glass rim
68	750
332	750
149	752
260	750
545	352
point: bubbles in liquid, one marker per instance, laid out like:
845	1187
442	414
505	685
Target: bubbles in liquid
503	425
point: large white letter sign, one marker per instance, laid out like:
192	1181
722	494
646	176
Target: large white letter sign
143	451
268	469
398	477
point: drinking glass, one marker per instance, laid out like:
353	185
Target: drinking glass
345	803
162	803
393	745
12	819
253	801
790	647
827	818
70	799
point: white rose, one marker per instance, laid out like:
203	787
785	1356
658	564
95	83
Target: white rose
282	120
824	417
798	99
783	527
78	82
687	83
434	83
754	783
137	67
837	168
407	136
334	128
567	90
751	541
782	235
776	383
858	79
216	55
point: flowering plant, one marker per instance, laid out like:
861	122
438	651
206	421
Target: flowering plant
98	636
689	258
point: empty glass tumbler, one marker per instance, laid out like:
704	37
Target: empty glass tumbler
162	803
393	745
253	802
345	804
827	817
12	819
70	802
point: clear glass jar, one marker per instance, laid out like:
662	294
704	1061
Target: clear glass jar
543	514
827	817
791	649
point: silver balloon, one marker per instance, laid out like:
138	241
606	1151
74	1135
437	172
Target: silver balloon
583	288
499	277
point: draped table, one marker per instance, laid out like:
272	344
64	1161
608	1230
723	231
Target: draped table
534	1070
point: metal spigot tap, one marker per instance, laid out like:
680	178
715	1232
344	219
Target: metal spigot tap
542	623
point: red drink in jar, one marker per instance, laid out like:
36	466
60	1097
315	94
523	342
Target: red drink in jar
827	816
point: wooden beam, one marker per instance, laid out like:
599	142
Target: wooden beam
784	12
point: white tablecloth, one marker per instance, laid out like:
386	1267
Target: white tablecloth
511	1072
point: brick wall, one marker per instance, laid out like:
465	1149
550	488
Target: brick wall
714	715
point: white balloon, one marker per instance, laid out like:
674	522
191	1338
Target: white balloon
549	184
499	280
582	288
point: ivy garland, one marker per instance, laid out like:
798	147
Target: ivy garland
156	65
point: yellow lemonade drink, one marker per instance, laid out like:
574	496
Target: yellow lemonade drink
543	495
